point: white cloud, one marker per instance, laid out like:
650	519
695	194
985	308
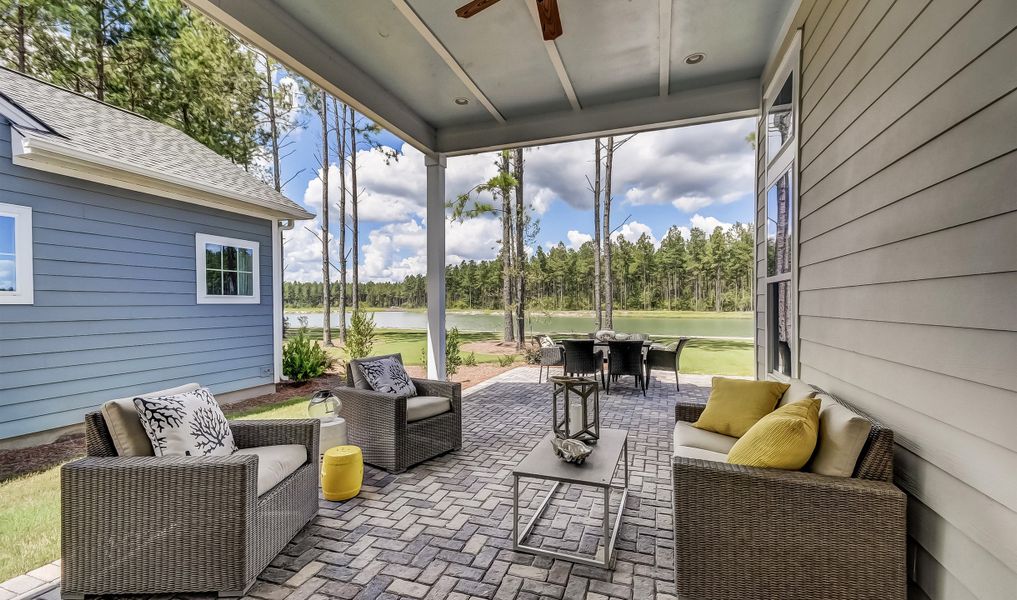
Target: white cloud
633	230
577	239
708	224
690	203
396	250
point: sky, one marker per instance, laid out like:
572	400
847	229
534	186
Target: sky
695	176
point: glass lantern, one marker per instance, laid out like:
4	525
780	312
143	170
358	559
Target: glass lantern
324	406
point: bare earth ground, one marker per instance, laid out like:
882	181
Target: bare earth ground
22	461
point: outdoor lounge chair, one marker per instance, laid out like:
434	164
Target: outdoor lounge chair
182	524
666	358
387	428
582	359
626	358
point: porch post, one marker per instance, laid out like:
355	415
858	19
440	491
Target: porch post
435	266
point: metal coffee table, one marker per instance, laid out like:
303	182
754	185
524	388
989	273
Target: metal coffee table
597	472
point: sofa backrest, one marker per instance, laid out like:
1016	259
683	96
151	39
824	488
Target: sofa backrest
115	430
875	461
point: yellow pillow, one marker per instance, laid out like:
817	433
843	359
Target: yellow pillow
736	404
783	439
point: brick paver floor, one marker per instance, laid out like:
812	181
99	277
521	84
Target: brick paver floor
442	530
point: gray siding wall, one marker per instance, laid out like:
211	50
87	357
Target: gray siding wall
908	262
115	311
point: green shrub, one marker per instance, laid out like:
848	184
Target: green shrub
304	359
453	355
532	355
504	361
470	360
360	336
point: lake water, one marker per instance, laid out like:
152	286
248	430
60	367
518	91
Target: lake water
539	323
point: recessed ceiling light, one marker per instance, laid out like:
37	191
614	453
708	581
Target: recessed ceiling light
695	58
461	101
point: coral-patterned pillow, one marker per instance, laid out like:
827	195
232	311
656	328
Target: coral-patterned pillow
188	424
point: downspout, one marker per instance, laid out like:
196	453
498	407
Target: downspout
278	227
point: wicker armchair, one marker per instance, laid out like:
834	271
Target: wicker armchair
550	356
744	532
378	424
582	359
626	358
160	525
666	358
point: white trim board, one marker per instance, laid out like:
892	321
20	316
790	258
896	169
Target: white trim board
35	153
24	281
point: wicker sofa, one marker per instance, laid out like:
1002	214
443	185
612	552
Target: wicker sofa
743	532
390	436
157	525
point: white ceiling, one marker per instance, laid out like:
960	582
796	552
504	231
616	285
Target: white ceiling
403	62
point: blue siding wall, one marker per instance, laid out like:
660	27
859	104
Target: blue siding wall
115	312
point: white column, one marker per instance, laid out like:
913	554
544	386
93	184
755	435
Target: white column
435	266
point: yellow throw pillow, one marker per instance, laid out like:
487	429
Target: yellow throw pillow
783	439
736	404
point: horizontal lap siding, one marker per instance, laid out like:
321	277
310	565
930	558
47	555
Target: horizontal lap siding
115	311
908	262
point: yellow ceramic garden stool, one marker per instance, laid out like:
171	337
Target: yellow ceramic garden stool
342	472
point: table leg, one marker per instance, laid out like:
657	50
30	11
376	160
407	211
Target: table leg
608	550
515	512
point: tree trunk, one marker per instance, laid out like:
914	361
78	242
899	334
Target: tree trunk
506	255
608	283
597	283
22	32
273	128
353	211
717	288
326	288
340	135
520	252
100	50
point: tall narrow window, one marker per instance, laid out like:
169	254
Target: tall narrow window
781	122
227	270
16	285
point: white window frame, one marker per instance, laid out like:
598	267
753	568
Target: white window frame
200	240
24	280
784	161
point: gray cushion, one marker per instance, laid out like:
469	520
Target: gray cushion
276	463
842	435
359	381
121	416
799	390
687	435
422	407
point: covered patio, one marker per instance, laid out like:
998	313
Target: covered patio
885	272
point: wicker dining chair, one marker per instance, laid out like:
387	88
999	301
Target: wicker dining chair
378	421
550	353
666	358
581	358
626	358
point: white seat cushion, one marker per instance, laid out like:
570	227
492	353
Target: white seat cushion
422	407
699	453
687	435
276	463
